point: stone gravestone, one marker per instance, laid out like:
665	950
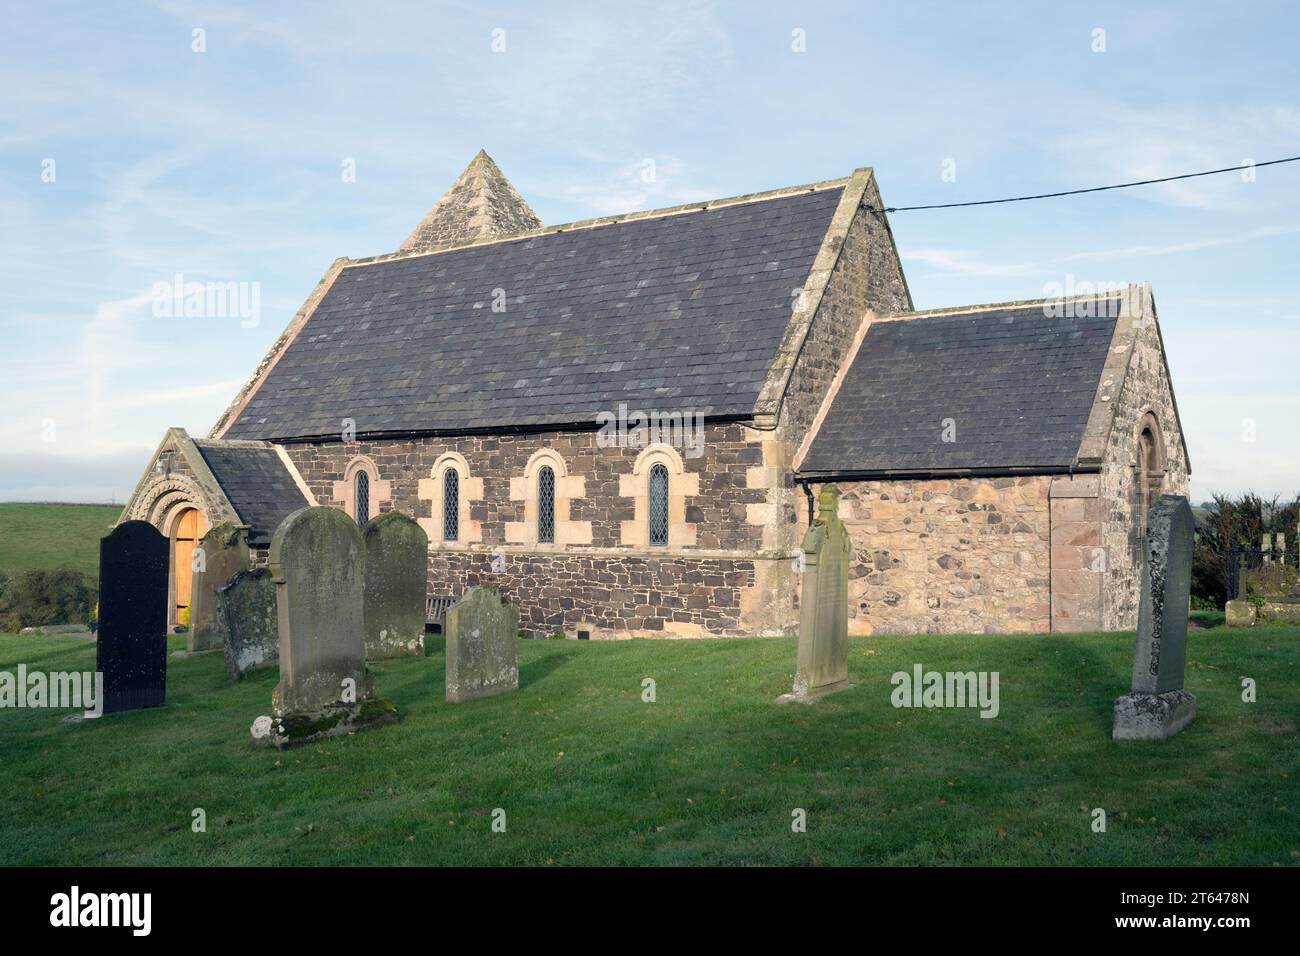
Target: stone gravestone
823	662
482	633
221	552
132	651
1158	706
318	565
397	571
252	637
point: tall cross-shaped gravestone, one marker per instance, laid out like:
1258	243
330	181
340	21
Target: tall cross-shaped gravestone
132	650
1158	706
823	661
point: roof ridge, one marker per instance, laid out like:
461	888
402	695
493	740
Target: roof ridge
635	216
991	306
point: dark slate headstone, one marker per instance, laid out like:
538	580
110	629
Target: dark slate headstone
221	552
132	651
251	637
1158	706
397	581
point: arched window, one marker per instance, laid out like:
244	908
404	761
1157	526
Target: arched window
450	505
1150	467
546	505
658	491
362	509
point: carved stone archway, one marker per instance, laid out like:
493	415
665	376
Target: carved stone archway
162	502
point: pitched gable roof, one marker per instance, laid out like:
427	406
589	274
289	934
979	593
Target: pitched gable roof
481	204
1017	382
258	483
680	311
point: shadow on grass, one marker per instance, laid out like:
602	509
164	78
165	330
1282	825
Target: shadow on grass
539	669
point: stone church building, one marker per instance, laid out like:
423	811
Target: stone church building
623	422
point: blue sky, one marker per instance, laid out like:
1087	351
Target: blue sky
226	165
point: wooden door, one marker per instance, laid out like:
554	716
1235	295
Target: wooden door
190	527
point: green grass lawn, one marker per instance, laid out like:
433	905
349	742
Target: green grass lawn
37	536
708	774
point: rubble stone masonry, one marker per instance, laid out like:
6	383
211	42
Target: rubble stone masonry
606	586
952	556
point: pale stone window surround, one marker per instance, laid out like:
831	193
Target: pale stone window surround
681	485
567	488
432	489
1149	465
344	493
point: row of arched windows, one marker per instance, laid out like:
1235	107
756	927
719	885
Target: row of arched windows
657	504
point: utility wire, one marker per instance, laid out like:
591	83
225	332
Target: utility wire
1093	189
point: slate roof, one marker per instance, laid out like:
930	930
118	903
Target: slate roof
1018	384
257	483
675	312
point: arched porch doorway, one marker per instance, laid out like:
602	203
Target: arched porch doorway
188	526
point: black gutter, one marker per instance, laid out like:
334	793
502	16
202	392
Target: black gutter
807	477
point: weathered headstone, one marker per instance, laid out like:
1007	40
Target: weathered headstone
221	552
397	570
482	633
132	650
252	637
823	661
1158	706
318	564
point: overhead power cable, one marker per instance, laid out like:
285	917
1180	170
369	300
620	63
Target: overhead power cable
1093	189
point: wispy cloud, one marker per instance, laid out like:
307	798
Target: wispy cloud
965	262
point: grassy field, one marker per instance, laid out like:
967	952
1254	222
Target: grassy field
709	773
36	536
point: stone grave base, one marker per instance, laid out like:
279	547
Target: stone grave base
1152	716
814	695
294	729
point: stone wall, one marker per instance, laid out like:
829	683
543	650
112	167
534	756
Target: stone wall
718	511
607	595
948	555
1078	560
864	275
596	582
1146	388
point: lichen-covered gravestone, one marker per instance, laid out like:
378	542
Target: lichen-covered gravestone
482	633
823	661
252	636
1158	706
132	650
221	552
318	565
397	570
